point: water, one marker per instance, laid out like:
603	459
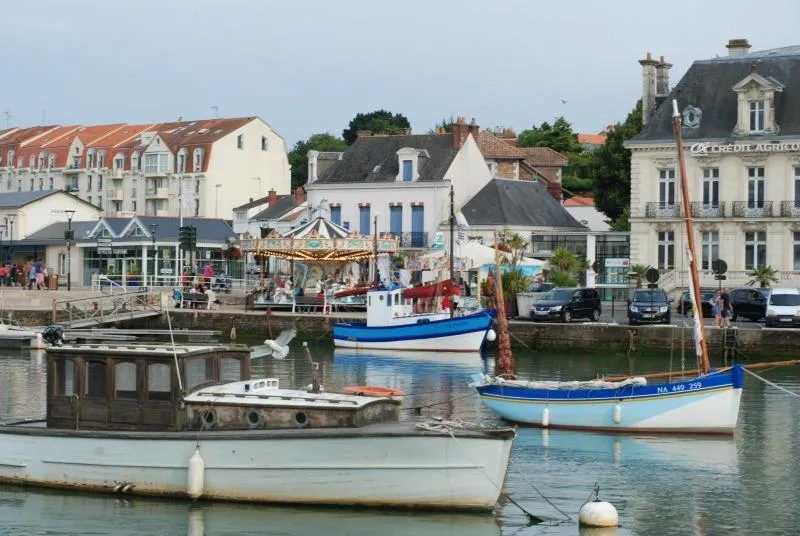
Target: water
659	484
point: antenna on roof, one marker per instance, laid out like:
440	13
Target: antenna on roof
216	110
8	117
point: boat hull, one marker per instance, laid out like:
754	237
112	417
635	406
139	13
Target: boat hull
458	334
708	404
382	467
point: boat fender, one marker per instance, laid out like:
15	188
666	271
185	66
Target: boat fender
546	417
196	475
491	335
617	413
128	487
598	513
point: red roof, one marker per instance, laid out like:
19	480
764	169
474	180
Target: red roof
543	157
493	147
56	141
592	139
578	201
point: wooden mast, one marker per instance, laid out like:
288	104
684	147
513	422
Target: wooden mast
505	360
699	329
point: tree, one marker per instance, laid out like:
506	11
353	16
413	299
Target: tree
638	273
763	275
378	122
445	124
298	158
612	167
566	267
558	136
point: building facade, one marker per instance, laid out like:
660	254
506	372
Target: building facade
192	168
741	129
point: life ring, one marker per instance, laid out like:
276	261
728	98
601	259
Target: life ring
372	390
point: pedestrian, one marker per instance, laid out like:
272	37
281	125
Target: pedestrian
726	309
716	309
208	274
13	273
31	275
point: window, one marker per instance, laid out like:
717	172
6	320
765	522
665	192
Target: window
363	218
240	141
755	249
31	188
42	158
264	143
757	116
181	165
396	220
89	182
159	381
666	187
41	183
418	226
135	162
65	379
101	159
710	241
796	188
196	207
32	162
198	371
197	187
99	182
76	162
408	169
230	369
52	161
755	187
89	198
90	158
10	159
100	201
95	379
796	236
710	187
336	215
119	162
198	160
125	381
51	183
666	250
156	163
19	162
19	185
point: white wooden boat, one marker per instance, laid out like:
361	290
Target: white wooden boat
120	420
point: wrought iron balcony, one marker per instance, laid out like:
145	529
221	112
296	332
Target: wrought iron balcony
790	209
662	210
411	240
748	209
708	210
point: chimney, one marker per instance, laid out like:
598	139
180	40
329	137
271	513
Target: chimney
474	129
312	156
662	78
648	87
554	187
273	197
738	47
363	134
460	131
508	136
299	195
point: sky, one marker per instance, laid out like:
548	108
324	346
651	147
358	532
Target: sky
309	66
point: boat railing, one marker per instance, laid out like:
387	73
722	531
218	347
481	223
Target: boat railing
278	398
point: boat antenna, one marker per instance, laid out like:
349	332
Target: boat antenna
701	347
452	246
174	352
505	360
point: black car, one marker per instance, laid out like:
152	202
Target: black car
706	295
564	304
750	303
649	305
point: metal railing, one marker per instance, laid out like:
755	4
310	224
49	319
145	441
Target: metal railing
790	209
708	210
103	309
749	209
412	239
662	210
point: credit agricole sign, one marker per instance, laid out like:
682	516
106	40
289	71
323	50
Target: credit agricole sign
707	148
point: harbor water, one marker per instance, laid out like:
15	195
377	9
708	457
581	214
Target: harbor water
692	485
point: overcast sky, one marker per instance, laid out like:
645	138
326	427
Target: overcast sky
310	66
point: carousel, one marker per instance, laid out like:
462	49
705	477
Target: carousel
324	258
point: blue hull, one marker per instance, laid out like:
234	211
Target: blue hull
458	334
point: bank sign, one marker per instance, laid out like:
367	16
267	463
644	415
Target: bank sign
707	148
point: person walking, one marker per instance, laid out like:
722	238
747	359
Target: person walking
31	270
716	309
726	308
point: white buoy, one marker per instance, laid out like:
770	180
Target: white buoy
196	479
491	335
598	513
546	417
617	413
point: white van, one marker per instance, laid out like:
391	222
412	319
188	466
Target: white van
783	307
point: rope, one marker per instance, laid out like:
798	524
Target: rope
520	341
450	401
525	477
775	385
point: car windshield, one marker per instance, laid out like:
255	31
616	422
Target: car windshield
784	299
559	294
708	296
655	296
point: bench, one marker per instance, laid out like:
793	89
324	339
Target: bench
194	300
311	304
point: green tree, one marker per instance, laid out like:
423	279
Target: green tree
638	272
763	275
378	122
566	267
445	124
558	136
612	167
298	156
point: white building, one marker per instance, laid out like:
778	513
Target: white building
741	127
213	165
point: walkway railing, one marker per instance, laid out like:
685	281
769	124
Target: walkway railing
106	308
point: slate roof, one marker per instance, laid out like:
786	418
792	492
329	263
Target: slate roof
54	233
519	204
708	85
282	205
20	199
254	203
208	229
374	159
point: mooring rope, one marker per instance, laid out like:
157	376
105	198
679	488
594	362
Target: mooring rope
775	385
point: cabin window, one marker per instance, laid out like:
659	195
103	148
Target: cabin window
230	369
158	381
125	381
95	379
65	377
389	300
198	371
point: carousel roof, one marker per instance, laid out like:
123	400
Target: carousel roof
319	227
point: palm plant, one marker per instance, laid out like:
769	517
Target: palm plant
763	275
638	272
560	278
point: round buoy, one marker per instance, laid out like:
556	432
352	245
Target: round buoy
598	514
491	335
196	475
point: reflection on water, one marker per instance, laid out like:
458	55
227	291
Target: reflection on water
659	484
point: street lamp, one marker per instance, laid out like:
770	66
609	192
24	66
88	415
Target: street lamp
216	199
11	237
69	236
3	229
153	229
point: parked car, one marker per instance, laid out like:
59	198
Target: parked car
684	306
649	305
750	303
564	304
783	307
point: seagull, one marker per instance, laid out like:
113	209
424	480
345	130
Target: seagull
280	346
563	101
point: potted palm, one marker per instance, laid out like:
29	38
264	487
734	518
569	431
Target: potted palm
763	275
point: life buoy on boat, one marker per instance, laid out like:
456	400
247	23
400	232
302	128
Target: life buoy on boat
372	390
196	475
546	417
617	413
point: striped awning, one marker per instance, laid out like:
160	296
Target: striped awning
318	228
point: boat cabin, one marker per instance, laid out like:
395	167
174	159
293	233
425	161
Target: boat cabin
91	386
398	306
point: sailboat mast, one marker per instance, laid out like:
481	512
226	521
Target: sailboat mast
452	249
687	212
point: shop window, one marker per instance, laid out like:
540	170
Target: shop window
159	381
125	381
95	379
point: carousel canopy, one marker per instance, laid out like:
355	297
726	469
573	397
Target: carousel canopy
321	240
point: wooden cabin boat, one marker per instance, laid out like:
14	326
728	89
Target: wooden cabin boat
187	421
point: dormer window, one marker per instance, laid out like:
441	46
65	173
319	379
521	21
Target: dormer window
90	158
32	163
119	162
757	116
19	162
198	160
52	163
181	167
408	164
408	169
10	159
135	162
101	159
42	159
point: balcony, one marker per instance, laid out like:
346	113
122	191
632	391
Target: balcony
411	240
663	210
71	170
748	209
708	210
790	209
115	194
160	193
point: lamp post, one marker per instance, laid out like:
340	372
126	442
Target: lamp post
69	236
216	198
11	237
153	229
3	229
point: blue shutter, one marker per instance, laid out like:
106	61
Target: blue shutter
407	168
336	215
396	220
364	217
417	226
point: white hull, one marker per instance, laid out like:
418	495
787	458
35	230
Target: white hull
395	466
463	342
